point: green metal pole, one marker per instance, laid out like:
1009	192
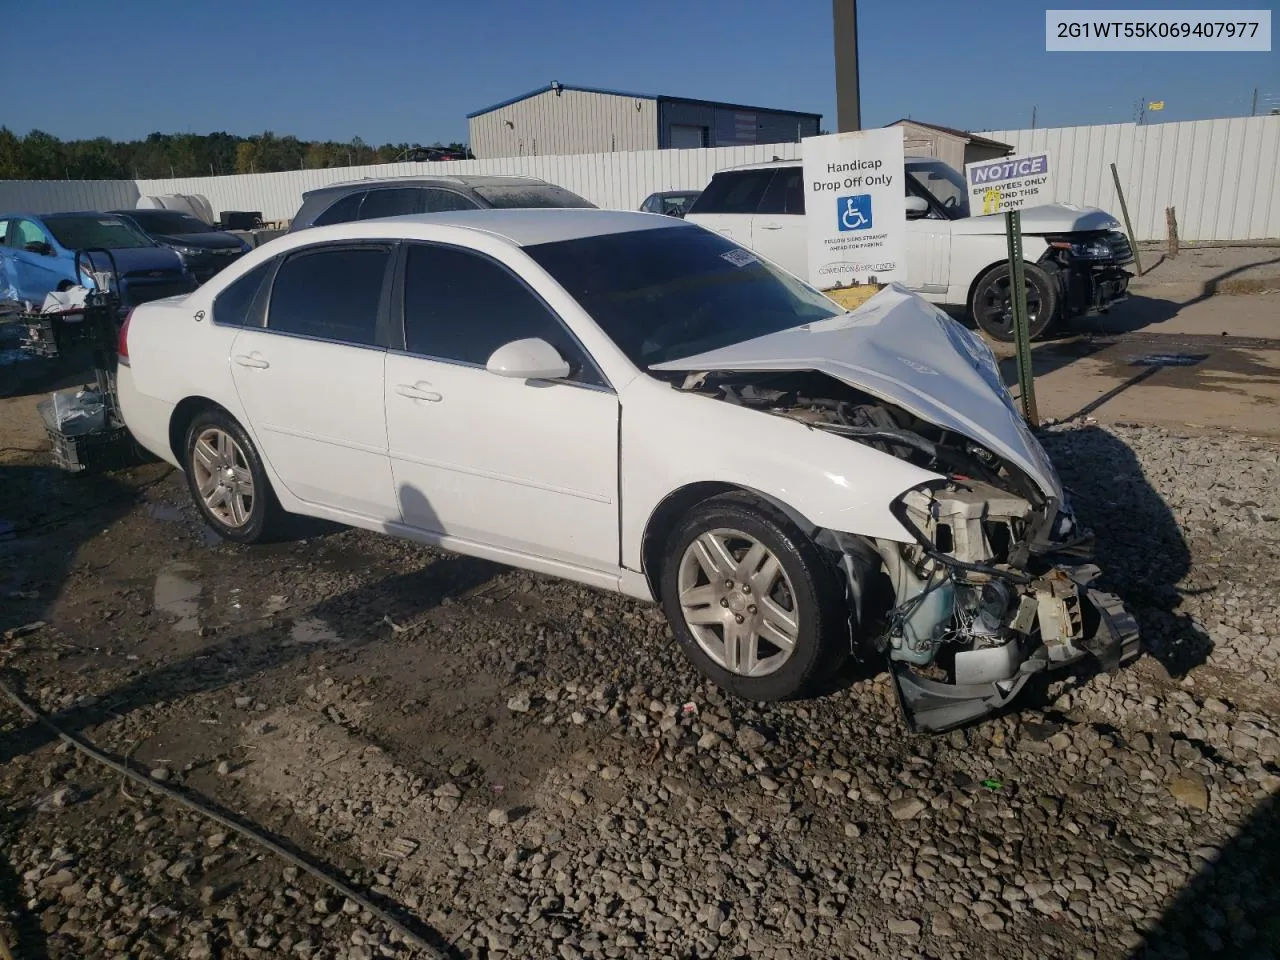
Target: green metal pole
1021	333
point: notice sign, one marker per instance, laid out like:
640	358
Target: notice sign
854	206
1010	183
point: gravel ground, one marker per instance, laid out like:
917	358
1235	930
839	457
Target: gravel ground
528	768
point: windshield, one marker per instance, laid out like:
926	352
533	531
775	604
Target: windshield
521	195
81	233
169	222
677	291
945	183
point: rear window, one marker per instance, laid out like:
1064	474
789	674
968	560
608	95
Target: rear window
342	211
522	196
736	192
109	233
330	293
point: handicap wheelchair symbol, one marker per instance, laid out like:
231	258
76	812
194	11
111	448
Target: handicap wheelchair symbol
855	212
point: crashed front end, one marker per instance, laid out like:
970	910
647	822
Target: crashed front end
994	590
990	583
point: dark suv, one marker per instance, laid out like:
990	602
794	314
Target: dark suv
393	197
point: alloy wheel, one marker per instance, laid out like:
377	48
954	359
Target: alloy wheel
738	602
222	476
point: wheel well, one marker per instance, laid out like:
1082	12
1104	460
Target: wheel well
183	414
679	502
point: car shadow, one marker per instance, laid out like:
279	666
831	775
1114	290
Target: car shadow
1110	493
1232	905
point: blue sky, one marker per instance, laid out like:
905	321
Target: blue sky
410	70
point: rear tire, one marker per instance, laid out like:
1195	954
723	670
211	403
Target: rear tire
228	481
752	600
992	304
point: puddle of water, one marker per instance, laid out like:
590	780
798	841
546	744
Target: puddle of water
312	630
162	511
177	596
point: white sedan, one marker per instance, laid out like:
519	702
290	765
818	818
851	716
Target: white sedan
638	404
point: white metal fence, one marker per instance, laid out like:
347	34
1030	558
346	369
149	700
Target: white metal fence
1223	176
615	180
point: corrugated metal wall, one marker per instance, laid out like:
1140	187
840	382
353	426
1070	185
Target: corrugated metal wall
572	121
1222	175
52	196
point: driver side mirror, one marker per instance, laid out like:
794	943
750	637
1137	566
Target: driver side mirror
40	247
529	359
917	207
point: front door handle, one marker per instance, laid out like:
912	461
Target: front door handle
770	226
251	360
418	391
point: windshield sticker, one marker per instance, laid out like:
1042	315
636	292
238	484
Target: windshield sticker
740	258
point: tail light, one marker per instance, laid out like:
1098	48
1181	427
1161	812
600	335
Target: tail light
122	344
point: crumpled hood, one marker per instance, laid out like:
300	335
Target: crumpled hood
1048	218
902	349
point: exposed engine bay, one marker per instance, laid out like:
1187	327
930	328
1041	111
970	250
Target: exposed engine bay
995	585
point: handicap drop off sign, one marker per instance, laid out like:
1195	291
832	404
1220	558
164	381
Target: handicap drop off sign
855	214
1010	183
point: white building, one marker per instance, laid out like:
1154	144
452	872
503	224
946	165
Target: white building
561	119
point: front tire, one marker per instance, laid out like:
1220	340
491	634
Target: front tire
992	303
227	480
751	599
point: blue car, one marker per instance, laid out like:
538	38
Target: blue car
38	254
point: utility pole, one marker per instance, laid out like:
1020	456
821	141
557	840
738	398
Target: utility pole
1253	110
848	105
1033	116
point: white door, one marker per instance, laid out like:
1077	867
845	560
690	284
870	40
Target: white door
778	231
526	467
928	253
311	381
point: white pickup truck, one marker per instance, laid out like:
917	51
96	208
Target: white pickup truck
1075	256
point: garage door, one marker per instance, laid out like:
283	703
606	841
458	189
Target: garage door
684	137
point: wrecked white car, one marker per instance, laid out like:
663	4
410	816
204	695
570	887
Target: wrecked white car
638	404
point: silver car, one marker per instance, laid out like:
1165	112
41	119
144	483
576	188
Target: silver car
396	196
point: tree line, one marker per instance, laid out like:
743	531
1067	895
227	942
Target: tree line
42	156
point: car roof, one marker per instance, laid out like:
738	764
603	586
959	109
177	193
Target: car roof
782	164
462	180
521	227
65	214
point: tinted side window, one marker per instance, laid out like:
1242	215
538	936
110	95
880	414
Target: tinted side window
737	192
343	211
231	306
785	194
331	293
442	201
461	306
391	203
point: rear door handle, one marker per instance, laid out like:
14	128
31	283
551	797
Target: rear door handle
251	361
418	392
770	226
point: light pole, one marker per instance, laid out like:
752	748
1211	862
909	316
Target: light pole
848	105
